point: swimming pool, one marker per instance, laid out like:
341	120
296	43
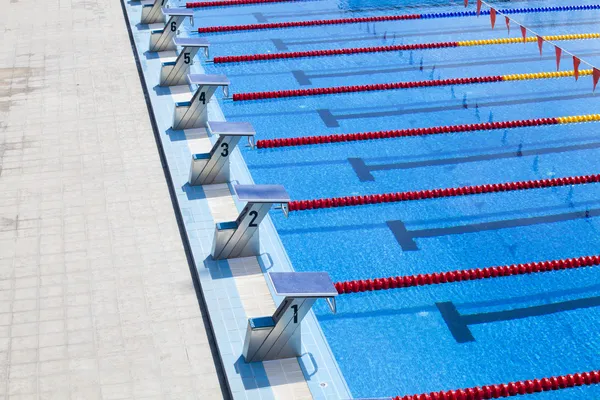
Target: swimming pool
406	341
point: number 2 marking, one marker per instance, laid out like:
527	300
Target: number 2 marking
254	215
295	308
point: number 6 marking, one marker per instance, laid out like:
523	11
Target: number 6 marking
173	26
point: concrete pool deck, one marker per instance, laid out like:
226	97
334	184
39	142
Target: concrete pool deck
235	289
96	296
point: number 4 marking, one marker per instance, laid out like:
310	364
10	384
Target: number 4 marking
202	97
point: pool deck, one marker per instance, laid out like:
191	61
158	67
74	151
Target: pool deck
97	300
235	289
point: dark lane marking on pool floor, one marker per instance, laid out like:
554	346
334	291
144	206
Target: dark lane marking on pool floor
260	17
458	324
332	121
406	238
363	171
304	79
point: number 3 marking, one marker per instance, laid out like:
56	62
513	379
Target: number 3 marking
225	153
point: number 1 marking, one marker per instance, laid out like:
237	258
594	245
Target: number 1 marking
295	308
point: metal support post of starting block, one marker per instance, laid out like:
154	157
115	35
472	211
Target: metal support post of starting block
162	39
239	238
194	113
151	12
213	167
173	73
279	336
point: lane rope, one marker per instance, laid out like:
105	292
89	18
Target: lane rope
338	21
348	201
400	47
436	278
410	132
223	3
516	388
278	94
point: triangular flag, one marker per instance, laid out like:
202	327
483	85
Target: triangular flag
576	62
596	76
524	34
466	3
493	16
478	7
507	24
558	52
540	42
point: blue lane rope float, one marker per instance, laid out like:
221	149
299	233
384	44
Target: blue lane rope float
381	18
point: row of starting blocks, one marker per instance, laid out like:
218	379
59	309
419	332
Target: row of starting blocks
267	338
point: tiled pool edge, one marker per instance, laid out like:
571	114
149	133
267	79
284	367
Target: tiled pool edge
217	284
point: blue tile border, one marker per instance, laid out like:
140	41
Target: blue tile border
228	320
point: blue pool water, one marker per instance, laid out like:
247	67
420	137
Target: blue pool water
397	342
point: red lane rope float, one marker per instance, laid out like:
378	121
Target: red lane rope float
398	282
230	28
331	52
364	88
511	389
347	201
202	4
397	133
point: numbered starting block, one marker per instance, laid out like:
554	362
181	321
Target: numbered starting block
151	12
173	73
213	167
194	113
162	39
279	336
239	238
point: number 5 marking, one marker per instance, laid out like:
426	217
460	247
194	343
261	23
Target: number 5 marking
186	58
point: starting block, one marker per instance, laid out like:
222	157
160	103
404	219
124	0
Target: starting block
279	336
213	167
151	12
194	113
239	238
162	39
175	73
